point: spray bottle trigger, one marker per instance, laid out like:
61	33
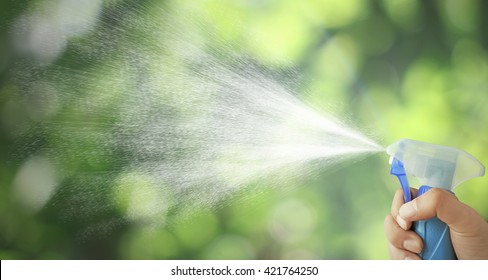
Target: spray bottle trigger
398	170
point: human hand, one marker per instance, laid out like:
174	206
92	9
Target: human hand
469	231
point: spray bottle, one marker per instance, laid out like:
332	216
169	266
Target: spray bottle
435	167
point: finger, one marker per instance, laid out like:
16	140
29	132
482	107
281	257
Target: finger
400	254
444	205
398	201
400	238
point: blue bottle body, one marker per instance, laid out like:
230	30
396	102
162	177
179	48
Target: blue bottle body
436	237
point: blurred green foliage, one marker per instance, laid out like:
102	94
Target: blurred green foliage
401	68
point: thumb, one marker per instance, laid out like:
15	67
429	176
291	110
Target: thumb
443	205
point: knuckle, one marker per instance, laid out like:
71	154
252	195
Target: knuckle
394	234
437	196
390	225
399	192
397	240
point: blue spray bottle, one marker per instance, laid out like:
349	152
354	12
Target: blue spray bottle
435	167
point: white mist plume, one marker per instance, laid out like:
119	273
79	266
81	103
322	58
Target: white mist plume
191	128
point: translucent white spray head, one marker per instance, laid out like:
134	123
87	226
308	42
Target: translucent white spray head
434	165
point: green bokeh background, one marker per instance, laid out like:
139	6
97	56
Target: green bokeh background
398	68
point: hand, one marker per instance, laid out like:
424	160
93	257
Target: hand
469	231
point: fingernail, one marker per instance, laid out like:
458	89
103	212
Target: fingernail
408	210
412	245
401	222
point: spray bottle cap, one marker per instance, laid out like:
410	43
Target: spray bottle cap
435	166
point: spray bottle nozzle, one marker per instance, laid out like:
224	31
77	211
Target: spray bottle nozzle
398	170
435	166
